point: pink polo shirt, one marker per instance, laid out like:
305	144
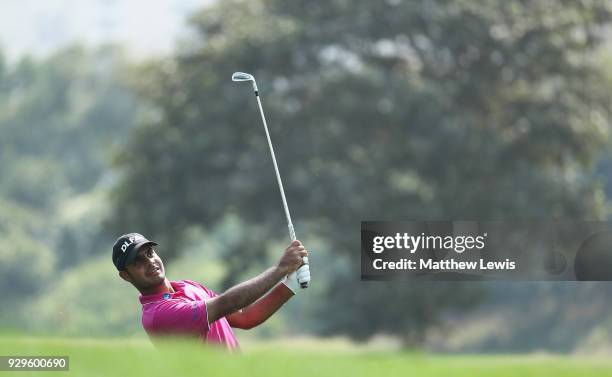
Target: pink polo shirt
184	313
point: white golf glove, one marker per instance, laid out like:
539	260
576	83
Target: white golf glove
292	281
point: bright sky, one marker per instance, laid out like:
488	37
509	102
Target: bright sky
145	27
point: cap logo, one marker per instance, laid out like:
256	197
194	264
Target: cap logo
127	244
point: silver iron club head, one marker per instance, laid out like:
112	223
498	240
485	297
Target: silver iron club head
241	76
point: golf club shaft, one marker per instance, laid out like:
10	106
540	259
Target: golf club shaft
278	178
280	182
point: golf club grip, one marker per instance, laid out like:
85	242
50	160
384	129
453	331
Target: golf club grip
303	268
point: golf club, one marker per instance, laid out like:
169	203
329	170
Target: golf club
239	77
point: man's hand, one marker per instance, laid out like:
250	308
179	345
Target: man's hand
291	280
292	257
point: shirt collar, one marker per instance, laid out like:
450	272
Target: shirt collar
178	287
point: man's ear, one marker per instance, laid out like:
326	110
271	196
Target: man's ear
125	276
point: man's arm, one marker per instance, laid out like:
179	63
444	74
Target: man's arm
245	293
258	312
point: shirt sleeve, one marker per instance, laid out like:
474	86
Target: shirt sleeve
208	291
181	317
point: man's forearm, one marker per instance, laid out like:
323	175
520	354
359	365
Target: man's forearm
243	294
258	312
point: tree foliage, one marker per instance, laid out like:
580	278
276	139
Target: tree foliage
59	118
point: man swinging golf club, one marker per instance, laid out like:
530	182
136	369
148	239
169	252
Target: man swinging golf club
187	308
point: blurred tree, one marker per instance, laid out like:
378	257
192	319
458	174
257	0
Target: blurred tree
387	110
59	119
67	110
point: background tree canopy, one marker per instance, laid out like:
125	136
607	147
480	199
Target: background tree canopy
60	119
398	110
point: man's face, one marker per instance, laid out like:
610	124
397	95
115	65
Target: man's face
147	271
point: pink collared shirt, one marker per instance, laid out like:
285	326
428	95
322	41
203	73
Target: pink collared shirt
184	313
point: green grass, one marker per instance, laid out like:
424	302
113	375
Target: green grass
125	357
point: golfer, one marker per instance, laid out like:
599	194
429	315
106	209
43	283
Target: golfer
187	308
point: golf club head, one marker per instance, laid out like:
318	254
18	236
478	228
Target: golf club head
241	76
